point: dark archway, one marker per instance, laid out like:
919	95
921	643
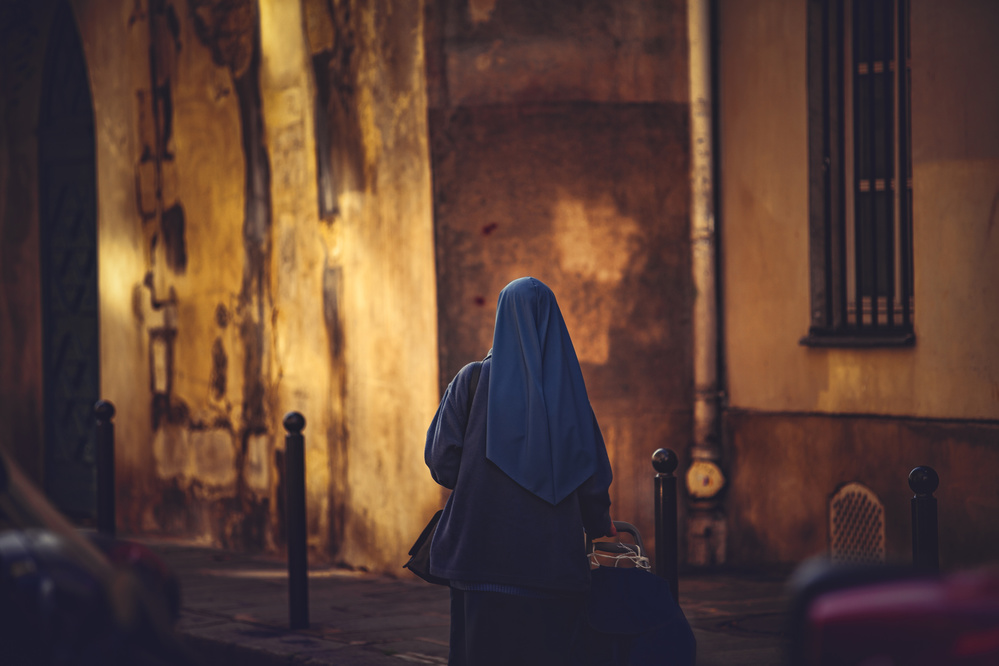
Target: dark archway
68	241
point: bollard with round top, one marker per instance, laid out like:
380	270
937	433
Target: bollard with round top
665	463
103	413
294	423
923	481
298	581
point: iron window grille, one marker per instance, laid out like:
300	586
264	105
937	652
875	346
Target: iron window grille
860	173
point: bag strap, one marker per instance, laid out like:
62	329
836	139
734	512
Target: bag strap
473	383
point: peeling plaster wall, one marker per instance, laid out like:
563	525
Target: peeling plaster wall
380	284
560	150
308	315
301	356
205	211
227	297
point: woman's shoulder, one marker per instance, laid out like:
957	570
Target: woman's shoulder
475	367
468	378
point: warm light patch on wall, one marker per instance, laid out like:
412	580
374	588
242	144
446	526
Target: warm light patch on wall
120	268
206	455
480	11
283	58
160	364
846	376
594	239
595	244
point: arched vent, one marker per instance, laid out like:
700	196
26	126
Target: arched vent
856	526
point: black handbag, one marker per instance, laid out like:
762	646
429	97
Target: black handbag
419	554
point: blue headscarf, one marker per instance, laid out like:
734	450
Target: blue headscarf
540	427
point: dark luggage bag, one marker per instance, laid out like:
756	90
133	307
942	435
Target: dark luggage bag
631	616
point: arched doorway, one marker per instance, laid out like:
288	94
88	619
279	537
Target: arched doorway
68	242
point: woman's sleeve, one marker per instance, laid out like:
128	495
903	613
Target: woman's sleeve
446	434
594	498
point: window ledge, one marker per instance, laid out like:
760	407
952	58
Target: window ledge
851	339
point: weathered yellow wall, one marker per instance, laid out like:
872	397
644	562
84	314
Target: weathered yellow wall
115	71
384	235
302	366
953	370
225	301
209	416
801	420
764	202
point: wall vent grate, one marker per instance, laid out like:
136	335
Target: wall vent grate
856	526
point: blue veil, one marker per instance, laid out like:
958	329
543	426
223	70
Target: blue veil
539	427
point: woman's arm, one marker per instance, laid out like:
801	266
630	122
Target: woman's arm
446	434
594	498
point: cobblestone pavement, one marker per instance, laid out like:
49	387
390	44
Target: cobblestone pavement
235	610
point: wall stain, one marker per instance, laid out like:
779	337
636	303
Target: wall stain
227	28
168	410
175	246
220	366
164	45
137	299
335	71
222	315
230	30
244	522
337	434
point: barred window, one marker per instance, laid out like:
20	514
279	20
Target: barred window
860	173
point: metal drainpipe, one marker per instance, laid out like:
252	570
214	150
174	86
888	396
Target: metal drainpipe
706	526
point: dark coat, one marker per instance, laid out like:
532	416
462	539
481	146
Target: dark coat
492	529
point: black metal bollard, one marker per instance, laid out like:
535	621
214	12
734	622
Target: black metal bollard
104	412
925	546
665	461
298	577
